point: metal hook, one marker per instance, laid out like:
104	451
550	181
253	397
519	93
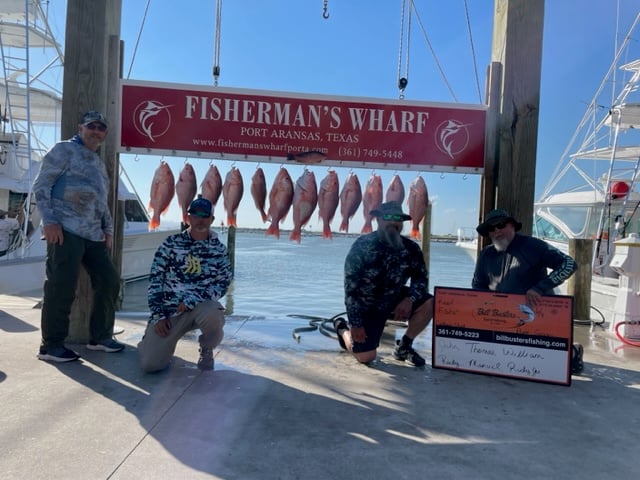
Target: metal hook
325	8
442	175
464	177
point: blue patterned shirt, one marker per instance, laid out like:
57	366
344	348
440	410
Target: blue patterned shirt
187	271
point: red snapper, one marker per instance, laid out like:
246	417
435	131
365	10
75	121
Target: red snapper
328	198
162	191
280	198
232	191
305	199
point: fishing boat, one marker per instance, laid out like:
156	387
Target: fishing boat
31	105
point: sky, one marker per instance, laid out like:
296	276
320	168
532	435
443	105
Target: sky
287	46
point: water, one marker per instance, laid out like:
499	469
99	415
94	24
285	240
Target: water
274	278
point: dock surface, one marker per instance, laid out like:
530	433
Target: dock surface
274	408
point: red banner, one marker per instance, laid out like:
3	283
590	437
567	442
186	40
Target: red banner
211	122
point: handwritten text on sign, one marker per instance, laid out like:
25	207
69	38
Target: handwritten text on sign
498	334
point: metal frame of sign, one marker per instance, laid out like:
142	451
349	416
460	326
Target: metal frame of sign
499	334
279	127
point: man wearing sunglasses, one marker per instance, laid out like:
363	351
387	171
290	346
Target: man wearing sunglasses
521	264
377	269
71	193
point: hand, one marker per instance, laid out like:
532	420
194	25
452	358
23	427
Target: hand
182	308
358	334
533	297
53	233
163	327
402	312
108	240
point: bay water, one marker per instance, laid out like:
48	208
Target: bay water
277	277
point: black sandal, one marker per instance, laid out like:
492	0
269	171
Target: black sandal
340	324
577	364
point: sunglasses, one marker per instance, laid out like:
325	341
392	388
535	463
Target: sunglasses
498	226
97	126
387	217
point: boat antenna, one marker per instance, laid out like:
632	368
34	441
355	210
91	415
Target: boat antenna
135	48
216	44
403	81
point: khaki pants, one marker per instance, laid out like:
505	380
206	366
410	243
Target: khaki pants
156	351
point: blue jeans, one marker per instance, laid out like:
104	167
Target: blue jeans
62	269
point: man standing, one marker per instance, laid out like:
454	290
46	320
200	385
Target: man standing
376	272
190	272
71	192
515	263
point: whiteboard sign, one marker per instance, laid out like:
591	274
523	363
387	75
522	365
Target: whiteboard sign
499	334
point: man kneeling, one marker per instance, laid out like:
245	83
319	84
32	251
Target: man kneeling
376	271
190	272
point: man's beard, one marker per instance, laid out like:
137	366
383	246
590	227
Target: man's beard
391	237
502	244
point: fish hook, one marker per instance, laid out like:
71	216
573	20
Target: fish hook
136	158
464	177
325	8
442	176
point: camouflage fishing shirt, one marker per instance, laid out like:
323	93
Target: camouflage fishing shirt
374	274
522	266
187	271
72	189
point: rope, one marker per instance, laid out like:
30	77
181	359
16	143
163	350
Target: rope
402	7
433	53
473	51
135	49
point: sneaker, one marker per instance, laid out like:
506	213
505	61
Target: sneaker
57	354
108	345
408	354
577	365
205	362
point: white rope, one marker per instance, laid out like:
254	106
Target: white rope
216	44
135	49
473	51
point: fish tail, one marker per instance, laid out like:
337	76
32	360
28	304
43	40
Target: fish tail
154	222
264	216
366	228
295	235
326	232
344	226
273	230
415	233
231	221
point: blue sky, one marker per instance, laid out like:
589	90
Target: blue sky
286	45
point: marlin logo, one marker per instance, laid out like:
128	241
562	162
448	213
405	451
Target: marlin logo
152	119
452	137
193	265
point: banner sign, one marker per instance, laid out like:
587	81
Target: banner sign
499	334
212	122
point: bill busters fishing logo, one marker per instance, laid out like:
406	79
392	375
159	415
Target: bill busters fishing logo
452	137
152	119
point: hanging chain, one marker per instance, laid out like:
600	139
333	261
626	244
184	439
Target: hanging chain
325	9
216	46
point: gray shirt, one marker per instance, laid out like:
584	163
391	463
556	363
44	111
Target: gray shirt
72	189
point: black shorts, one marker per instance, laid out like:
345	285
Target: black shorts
376	320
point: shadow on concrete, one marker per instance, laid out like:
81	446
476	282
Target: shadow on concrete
12	324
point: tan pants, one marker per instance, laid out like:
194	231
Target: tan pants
156	351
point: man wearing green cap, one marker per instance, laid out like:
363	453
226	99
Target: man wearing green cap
521	264
376	272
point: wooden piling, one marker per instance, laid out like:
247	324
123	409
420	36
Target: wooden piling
579	284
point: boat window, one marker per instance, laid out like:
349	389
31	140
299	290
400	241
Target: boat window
133	212
574	217
544	229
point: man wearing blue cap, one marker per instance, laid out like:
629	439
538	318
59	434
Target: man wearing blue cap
71	192
190	272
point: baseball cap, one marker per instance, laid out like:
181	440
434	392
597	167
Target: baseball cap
201	207
93	116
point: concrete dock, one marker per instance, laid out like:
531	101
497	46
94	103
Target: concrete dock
277	409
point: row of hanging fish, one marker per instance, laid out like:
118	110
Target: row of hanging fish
301	197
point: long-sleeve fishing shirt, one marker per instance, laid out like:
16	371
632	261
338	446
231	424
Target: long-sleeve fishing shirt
522	266
72	190
374	274
187	271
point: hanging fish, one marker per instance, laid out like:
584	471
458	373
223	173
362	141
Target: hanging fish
162	191
211	186
417	202
312	156
232	191
186	188
280	198
328	198
305	199
350	198
371	200
395	190
259	192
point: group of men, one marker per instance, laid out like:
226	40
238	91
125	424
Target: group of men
385	276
